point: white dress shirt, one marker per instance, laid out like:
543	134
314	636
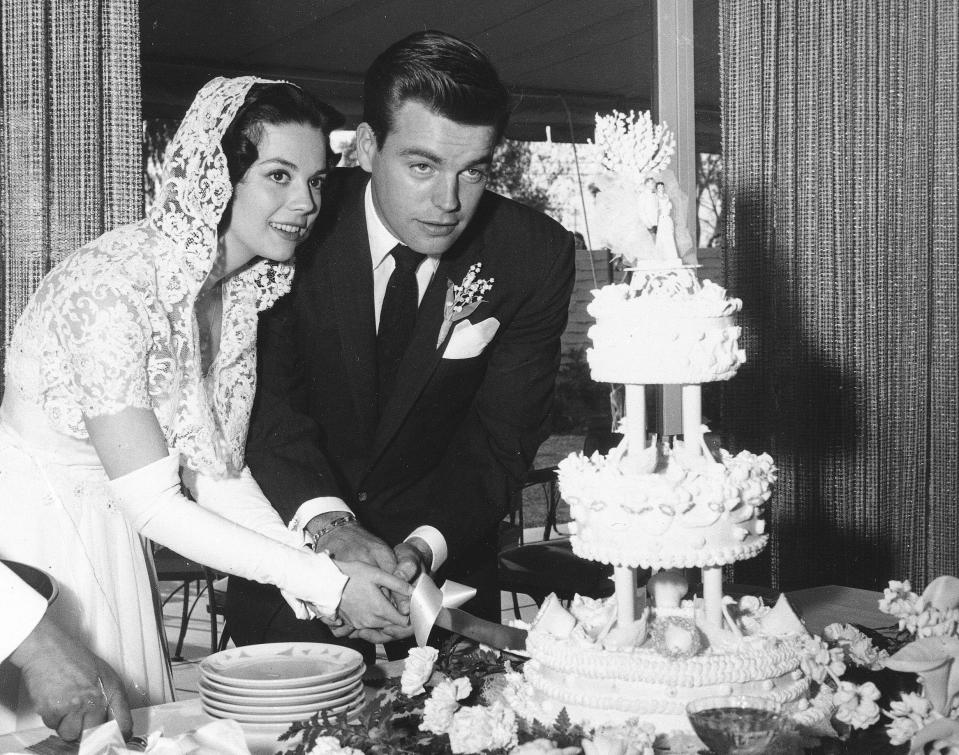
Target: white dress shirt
381	243
21	606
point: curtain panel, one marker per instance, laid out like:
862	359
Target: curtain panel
70	134
840	148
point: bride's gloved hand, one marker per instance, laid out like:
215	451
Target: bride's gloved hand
365	604
150	498
240	500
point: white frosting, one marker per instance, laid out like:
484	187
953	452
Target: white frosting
676	507
670	334
603	686
696	512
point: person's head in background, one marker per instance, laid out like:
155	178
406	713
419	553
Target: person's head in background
434	110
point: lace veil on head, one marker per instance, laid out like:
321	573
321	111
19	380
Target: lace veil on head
209	425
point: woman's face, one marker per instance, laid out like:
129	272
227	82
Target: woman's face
276	202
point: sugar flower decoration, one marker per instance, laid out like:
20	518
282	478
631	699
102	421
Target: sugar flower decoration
632	146
417	671
820	661
856	704
858	649
908	716
935	613
462	300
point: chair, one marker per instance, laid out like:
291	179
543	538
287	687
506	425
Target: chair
172	567
216	606
550	566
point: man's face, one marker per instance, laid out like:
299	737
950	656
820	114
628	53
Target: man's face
428	177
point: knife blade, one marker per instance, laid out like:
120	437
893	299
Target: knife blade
497	636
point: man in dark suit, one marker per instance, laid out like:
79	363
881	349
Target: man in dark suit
405	382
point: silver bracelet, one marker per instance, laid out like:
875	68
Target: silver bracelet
347	518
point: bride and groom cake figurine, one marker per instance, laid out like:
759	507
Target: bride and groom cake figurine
655	213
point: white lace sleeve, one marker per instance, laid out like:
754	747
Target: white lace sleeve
104	329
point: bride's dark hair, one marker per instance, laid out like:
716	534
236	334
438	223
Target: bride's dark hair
276	104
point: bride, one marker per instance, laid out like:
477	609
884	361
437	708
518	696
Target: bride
132	370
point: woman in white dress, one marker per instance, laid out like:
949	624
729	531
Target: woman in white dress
133	368
665	229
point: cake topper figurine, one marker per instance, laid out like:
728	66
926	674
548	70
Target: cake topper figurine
638	200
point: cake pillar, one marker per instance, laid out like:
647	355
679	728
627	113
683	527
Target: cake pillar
625	581
713	594
636	416
693	417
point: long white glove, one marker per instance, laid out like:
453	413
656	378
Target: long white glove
150	497
240	500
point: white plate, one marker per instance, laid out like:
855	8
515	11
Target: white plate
303	707
256	692
277	715
287	718
207	689
283	665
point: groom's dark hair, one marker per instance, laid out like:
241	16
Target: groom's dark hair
450	76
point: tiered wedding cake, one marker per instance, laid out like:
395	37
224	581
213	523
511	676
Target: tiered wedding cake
665	506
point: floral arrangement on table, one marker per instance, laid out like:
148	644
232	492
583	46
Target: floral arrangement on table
450	701
453	702
928	720
634	154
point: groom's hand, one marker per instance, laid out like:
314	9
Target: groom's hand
350	542
413	557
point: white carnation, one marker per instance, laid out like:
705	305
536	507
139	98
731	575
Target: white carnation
480	728
442	703
331	746
417	671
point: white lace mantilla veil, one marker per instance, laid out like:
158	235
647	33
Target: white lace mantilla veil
210	427
154	270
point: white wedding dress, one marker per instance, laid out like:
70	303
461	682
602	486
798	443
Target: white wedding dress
113	326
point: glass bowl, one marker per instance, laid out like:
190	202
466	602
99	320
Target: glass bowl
736	725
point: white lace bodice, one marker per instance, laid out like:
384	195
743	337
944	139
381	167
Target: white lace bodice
113	325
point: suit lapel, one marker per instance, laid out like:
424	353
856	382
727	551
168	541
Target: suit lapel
422	356
352	279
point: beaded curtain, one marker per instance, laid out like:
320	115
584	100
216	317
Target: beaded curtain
840	147
70	134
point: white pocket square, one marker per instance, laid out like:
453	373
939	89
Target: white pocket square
469	339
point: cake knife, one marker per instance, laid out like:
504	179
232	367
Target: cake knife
494	635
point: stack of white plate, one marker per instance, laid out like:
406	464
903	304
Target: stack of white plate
272	685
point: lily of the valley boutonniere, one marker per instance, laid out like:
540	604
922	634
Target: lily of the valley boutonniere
462	300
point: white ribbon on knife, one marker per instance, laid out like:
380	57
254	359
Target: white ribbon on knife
427	600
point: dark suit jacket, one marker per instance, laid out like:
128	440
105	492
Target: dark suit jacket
458	435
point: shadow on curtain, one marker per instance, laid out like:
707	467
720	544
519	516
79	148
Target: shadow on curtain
840	145
70	132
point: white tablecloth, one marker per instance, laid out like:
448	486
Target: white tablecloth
183	716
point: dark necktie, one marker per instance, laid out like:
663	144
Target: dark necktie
397	318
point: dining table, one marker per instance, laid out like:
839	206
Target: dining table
817	606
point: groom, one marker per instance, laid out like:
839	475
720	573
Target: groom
405	382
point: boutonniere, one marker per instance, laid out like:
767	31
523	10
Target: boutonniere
462	300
